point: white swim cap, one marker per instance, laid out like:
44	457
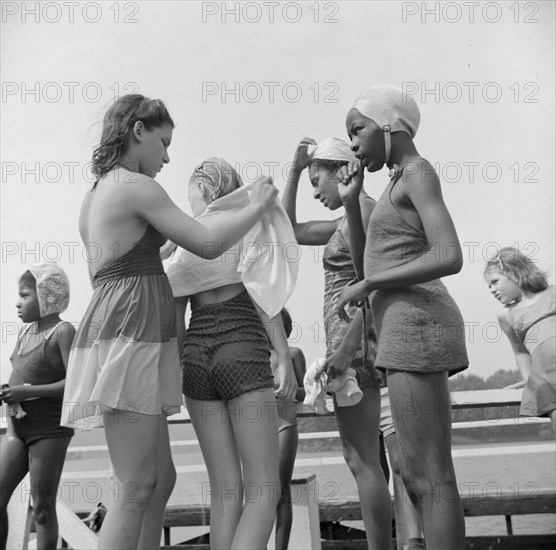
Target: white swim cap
391	110
334	148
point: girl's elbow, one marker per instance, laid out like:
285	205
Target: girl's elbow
453	263
211	250
456	265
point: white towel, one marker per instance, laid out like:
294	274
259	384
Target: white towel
315	389
265	261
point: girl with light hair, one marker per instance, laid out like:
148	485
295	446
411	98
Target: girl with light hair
227	379
528	319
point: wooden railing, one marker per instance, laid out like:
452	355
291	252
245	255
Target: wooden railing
310	517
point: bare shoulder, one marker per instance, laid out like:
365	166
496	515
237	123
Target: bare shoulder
297	354
64	334
145	192
420	171
503	318
367	205
59	344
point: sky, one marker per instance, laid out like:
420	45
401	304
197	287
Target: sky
246	81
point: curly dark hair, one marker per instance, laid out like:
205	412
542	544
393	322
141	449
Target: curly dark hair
118	124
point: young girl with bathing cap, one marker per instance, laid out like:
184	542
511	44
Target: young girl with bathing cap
124	367
528	318
35	442
420	331
358	424
227	378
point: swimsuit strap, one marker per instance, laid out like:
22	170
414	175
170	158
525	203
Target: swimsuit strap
47	337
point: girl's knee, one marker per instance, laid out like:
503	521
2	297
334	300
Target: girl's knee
133	494
44	510
166	482
359	466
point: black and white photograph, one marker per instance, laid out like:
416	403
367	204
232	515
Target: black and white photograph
278	275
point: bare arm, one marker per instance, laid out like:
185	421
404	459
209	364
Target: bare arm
522	356
153	204
342	358
180	305
358	211
299	367
307	233
274	328
444	256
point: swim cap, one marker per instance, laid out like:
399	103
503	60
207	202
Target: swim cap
392	111
334	149
52	288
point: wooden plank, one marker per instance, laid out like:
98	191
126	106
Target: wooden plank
73	530
187	516
511	542
460	400
508	503
505	503
503	542
543	501
20	516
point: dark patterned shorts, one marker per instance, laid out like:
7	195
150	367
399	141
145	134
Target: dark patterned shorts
226	351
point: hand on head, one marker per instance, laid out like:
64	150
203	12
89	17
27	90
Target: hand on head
302	157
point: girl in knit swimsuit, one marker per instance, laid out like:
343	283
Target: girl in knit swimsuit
124	368
35	442
227	378
528	318
411	243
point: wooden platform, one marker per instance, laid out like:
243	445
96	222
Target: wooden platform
486	408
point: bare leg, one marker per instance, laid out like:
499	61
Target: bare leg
254	422
421	410
407	517
46	462
153	521
133	446
288	439
213	427
14	465
358	427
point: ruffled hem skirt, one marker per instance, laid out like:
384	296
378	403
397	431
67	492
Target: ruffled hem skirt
125	354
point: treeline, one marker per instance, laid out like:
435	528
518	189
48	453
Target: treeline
500	379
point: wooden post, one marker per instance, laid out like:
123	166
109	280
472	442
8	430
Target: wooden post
305	533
